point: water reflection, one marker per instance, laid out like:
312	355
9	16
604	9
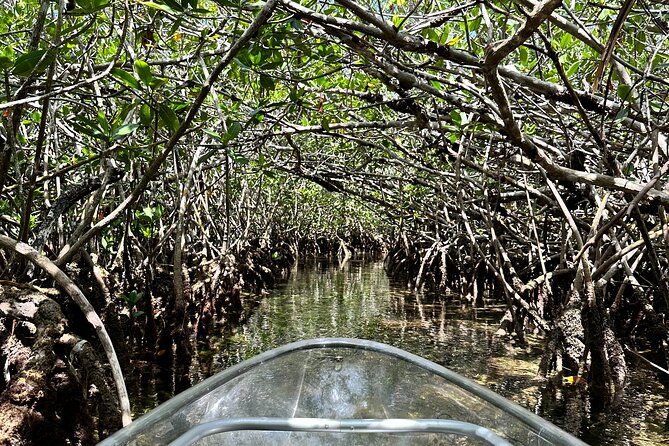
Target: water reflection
359	301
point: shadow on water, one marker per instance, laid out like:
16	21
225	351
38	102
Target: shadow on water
359	301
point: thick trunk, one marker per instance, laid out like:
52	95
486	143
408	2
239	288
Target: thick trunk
599	375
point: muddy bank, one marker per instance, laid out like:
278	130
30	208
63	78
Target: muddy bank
55	387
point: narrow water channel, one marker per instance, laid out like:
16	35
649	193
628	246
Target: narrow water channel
321	300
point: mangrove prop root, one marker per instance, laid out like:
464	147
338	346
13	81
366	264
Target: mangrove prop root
54	389
76	294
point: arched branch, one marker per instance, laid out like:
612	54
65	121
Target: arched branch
80	299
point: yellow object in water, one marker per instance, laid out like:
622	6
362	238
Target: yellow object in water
573	380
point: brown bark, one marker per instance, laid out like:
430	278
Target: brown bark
54	390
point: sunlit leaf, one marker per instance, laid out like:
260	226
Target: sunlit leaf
397	20
457	118
145	114
124	131
453	41
148	212
125	77
255	56
573	69
157	82
6	57
163	7
143	72
523	54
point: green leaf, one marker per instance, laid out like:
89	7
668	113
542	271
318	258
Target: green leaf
162	7
33	62
175	27
252	5
624	92
628	169
238	159
104	124
296	95
397	21
93	132
213	134
88	127
143	72
474	24
523	55
7	57
258	117
157	82
255	56
325	122
296	24
146	115
574	68
267	82
233	129
89	6
124	130
457	118
207	156
148	212
132	298
430	34
227	3
169	118
622	114
125	77
174	5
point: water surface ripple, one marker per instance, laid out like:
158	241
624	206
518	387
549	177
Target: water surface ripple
358	300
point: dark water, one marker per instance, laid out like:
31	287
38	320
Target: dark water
359	301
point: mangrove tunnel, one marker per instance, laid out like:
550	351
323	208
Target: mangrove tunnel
163	162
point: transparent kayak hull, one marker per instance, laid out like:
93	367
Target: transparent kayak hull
335	392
